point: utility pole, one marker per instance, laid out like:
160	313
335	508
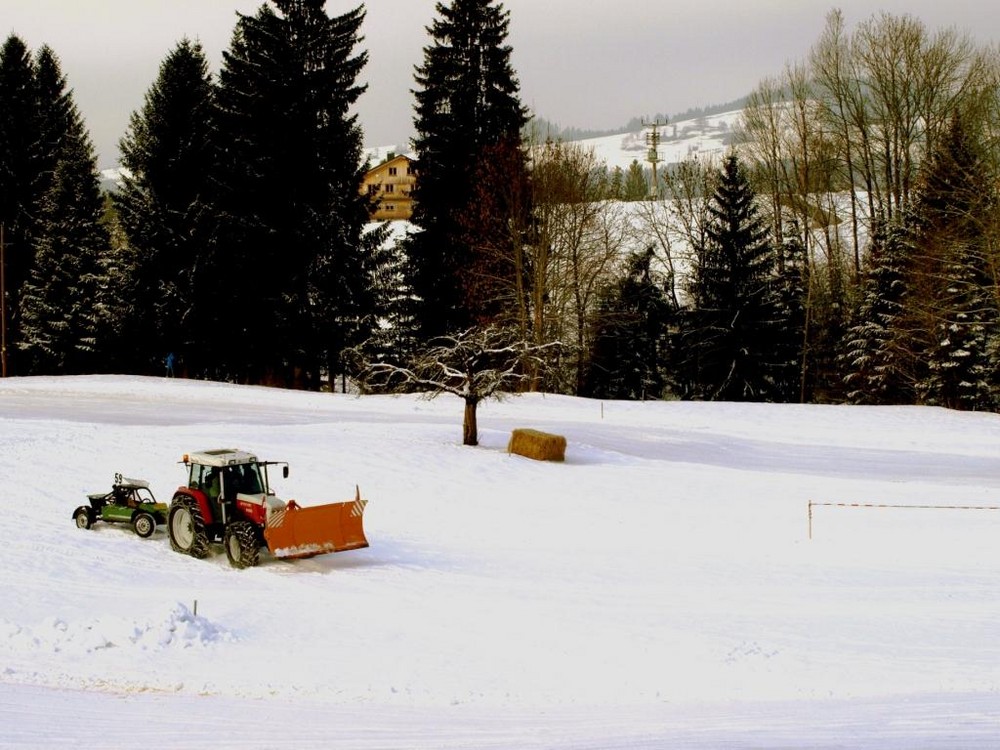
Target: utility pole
653	156
3	305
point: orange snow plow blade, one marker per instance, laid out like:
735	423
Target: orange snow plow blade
306	532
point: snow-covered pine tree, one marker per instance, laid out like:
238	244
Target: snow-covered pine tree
728	340
166	154
467	101
790	292
18	177
395	335
61	305
960	361
874	360
54	115
956	315
286	266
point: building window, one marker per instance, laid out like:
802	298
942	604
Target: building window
392	171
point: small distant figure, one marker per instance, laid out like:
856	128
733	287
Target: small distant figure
170	365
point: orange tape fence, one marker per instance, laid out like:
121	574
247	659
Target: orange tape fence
813	504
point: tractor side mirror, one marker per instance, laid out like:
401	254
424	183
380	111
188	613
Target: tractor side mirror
284	471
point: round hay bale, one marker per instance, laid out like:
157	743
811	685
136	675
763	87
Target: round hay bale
537	445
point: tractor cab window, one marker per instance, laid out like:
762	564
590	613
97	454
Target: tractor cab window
206	479
197	479
244	479
251	480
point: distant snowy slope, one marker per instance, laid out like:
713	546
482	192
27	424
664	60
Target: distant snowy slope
704	137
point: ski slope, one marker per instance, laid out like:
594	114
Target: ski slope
658	589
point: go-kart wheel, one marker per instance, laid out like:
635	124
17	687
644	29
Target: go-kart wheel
144	525
83	517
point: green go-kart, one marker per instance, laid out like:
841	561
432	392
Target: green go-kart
130	501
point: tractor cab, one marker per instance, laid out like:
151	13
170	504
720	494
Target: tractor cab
228	498
227	472
234	482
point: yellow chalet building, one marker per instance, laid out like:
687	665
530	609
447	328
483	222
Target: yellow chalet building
390	184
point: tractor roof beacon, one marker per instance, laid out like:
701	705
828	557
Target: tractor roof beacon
228	498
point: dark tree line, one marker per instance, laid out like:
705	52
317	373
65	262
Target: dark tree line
55	244
240	239
237	240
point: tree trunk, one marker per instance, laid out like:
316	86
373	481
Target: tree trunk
470	428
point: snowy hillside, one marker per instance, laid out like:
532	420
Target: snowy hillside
704	138
658	589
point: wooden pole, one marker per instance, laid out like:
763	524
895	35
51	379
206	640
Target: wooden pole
3	305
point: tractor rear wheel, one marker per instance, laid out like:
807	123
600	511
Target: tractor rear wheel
144	525
186	527
242	544
84	517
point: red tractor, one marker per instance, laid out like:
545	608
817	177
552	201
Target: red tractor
228	498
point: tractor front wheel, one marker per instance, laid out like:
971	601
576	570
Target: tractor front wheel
84	517
144	525
186	528
242	545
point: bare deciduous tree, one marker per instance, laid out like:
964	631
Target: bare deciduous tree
476	364
579	237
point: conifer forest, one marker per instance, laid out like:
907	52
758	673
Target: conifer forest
845	248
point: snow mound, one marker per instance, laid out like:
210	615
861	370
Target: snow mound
184	629
177	629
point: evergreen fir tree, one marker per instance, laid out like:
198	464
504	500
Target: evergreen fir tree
955	315
165	152
286	267
728	339
395	337
636	186
959	362
790	292
18	177
54	115
874	359
467	101
616	184
630	335
62	314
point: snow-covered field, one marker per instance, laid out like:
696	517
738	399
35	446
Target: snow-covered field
656	590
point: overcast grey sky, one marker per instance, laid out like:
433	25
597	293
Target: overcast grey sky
587	64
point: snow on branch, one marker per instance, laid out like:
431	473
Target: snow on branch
477	363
